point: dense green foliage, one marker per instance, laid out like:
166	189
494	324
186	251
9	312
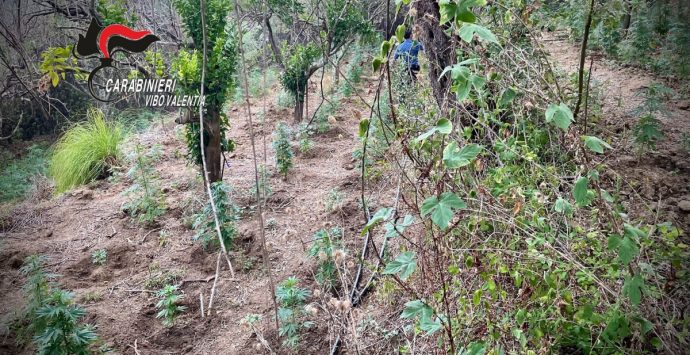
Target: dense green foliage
86	152
291	299
283	148
325	249
168	305
220	71
204	223
51	318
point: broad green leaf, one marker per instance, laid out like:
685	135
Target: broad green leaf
385	48
444	126
477	297
473	348
506	97
454	157
466	16
468	30
400	33
416	308
632	288
363	127
457	71
405	264
441	210
595	144
559	115
429	326
376	64
563	206
447	10
580	192
394	230
380	215
627	248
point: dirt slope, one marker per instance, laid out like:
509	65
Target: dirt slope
69	228
661	178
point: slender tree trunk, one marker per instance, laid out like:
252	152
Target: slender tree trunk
299	109
213	149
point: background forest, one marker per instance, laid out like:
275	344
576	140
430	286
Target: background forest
527	192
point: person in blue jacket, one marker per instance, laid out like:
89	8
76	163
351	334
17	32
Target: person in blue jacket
409	51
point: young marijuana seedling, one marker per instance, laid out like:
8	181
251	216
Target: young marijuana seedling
227	215
146	198
291	311
325	249
99	256
333	199
168	307
281	144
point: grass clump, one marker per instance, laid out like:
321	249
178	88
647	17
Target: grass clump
85	152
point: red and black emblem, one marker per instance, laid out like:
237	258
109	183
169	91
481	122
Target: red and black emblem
105	41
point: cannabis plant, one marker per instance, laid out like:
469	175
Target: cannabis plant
281	144
204	223
326	250
99	257
146	198
167	306
62	333
36	290
648	129
291	299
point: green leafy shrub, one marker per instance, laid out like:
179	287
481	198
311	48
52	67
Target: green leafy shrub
146	198
291	299
283	148
36	289
51	318
167	305
63	334
86	152
326	249
99	257
204	223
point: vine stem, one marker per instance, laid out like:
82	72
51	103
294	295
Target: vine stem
207	183
267	263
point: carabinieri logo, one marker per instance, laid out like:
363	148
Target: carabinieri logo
105	41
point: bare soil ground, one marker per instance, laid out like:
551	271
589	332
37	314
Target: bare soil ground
660	178
69	228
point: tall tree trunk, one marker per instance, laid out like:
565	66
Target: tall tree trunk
299	109
438	47
213	149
